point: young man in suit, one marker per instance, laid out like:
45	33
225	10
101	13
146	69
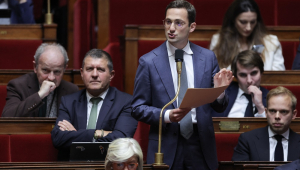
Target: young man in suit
38	94
246	97
156	85
98	113
276	142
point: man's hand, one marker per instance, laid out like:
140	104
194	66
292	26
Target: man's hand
176	115
66	126
256	94
105	133
223	78
46	88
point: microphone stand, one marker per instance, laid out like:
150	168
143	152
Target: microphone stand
160	156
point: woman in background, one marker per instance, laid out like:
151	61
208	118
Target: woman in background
122	153
242	28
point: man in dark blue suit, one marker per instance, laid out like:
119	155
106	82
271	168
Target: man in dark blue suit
276	142
246	97
81	120
156	84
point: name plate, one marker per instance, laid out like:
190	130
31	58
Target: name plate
229	126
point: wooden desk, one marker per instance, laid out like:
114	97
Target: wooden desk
249	165
67	165
134	33
248	124
44	32
36	125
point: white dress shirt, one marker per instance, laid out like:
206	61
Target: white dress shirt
90	104
273	143
240	104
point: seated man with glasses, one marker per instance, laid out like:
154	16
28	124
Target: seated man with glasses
124	152
276	142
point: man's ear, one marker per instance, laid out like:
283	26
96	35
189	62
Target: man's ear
193	27
34	66
112	75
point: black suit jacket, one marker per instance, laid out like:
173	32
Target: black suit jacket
23	99
114	115
232	91
254	146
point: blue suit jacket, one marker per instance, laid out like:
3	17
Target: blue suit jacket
115	116
254	146
154	88
232	92
295	165
21	13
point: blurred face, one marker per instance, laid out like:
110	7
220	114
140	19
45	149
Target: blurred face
247	77
96	75
245	23
279	113
50	66
177	27
130	164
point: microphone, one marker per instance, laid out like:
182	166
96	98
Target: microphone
179	59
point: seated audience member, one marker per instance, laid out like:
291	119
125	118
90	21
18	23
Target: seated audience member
276	142
295	165
242	28
246	97
296	63
98	113
38	94
21	11
122	153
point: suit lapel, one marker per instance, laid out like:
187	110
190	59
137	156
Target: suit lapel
262	144
161	62
294	146
106	105
81	110
198	65
232	92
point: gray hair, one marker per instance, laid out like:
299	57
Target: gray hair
41	49
98	53
122	149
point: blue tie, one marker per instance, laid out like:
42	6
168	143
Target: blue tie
186	124
249	109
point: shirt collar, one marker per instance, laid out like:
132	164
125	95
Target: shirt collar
286	134
102	95
171	49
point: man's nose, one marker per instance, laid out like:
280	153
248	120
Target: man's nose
51	76
249	79
94	72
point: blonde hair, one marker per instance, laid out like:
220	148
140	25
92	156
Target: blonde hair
120	150
282	91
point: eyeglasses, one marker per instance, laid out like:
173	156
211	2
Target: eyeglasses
121	166
178	23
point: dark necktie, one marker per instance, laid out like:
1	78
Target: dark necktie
93	114
249	109
43	108
186	124
279	149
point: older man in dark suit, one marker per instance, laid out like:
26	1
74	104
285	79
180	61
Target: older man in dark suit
38	94
97	113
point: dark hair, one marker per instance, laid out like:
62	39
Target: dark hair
186	5
248	59
98	53
227	48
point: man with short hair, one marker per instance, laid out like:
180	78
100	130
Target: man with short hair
246	97
38	94
276	142
188	140
97	113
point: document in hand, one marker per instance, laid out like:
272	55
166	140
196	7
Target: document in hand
195	97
